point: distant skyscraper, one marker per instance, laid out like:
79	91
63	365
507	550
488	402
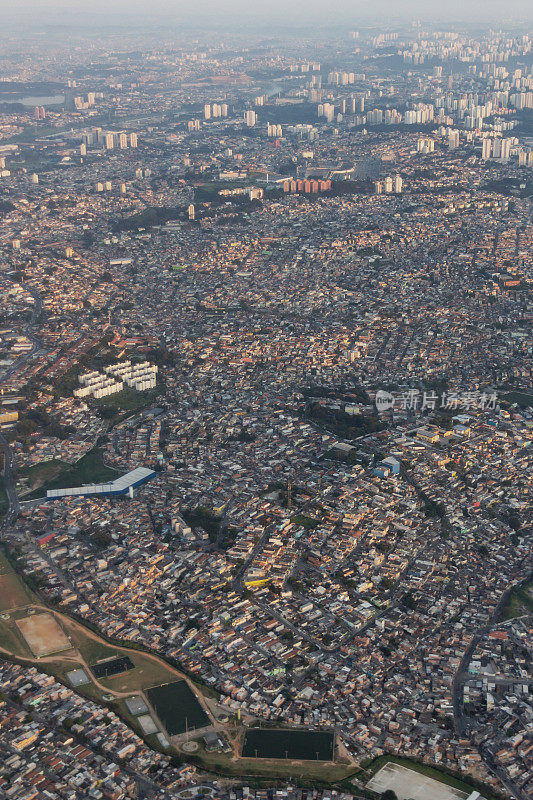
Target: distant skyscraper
191	211
453	140
122	141
250	118
486	149
109	141
133	140
207	111
505	150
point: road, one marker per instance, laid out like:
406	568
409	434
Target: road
28	331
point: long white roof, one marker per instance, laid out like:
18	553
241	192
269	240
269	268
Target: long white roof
119	485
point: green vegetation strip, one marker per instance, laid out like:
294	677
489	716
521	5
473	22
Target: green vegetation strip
128	400
4	502
89	469
520	602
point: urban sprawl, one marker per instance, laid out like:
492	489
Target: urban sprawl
266	415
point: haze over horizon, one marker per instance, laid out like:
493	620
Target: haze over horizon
291	12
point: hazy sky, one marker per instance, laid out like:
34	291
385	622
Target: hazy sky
293	11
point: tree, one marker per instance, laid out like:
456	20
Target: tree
389	795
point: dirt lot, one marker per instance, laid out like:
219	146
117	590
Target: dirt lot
43	634
410	784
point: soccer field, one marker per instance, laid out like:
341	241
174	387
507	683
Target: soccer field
411	785
43	634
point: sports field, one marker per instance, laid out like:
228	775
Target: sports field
411	785
300	745
43	635
112	666
177	707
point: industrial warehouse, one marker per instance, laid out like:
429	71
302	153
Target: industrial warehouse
123	485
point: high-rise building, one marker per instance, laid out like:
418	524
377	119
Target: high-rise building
191	211
486	149
453	140
274	131
207	111
326	110
250	118
109	141
123	140
133	140
425	146
397	184
505	150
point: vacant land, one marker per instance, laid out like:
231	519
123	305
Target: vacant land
411	785
307	772
92	648
520	602
11	640
127	400
37	474
523	399
177	707
298	745
43	634
13	593
89	469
